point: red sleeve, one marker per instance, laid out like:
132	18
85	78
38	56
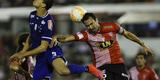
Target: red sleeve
153	75
81	36
111	27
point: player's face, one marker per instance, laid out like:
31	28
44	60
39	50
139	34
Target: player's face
38	3
91	25
140	60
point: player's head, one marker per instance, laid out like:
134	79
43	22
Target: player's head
141	59
47	4
91	22
21	40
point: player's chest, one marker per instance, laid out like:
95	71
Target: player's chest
143	75
101	41
37	25
101	37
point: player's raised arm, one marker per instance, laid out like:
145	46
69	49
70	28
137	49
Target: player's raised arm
134	38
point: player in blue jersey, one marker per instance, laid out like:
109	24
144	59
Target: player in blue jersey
47	59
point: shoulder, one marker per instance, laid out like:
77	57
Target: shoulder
108	24
48	16
109	27
133	68
33	12
153	73
150	69
84	31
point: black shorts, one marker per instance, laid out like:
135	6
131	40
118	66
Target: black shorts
114	71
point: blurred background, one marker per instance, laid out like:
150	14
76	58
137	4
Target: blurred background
141	17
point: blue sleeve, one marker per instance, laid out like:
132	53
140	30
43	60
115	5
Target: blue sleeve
47	31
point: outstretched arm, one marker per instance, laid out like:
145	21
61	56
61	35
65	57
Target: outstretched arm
62	39
134	38
66	38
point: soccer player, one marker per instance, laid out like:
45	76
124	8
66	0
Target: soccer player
27	64
47	59
142	71
102	38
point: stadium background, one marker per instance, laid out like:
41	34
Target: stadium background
142	17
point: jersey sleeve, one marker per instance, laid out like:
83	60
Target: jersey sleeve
118	28
47	31
81	36
153	75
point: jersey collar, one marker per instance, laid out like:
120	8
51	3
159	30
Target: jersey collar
44	15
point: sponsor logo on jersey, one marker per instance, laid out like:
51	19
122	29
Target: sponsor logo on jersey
107	26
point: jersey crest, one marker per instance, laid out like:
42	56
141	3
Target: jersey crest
43	22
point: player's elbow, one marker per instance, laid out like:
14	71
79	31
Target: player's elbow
44	45
43	48
63	72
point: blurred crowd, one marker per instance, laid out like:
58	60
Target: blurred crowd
14	3
151	29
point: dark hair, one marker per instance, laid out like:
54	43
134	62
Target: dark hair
142	54
48	3
87	16
22	38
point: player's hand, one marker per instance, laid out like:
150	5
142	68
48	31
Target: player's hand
12	57
54	41
147	50
61	38
14	64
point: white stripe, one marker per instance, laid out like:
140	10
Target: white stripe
121	30
134	73
47	37
80	35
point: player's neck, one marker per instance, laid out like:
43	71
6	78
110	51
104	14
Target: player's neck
141	67
96	30
41	12
99	28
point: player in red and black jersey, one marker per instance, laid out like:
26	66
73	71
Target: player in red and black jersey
102	39
142	71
